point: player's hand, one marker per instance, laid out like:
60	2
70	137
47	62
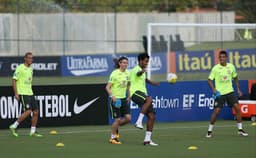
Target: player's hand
128	99
113	98
239	93
17	97
156	83
216	94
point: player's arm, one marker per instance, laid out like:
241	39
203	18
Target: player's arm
152	82
139	73
235	77
128	92
210	83
237	86
108	86
14	85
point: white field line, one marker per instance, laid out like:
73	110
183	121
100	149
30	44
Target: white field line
135	129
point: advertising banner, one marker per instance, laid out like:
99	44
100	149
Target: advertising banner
59	105
89	65
184	101
194	61
42	66
102	65
243	59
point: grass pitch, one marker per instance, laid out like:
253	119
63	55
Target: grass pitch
174	139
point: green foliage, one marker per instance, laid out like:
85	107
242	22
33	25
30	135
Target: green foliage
245	8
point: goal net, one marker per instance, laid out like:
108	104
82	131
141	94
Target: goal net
191	49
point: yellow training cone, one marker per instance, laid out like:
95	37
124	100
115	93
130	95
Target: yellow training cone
60	145
192	148
253	124
53	132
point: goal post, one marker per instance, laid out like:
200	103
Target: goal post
196	33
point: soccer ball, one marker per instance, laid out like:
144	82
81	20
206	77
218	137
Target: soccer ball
172	78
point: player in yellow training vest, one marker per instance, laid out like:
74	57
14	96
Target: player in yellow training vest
22	87
223	74
140	96
118	90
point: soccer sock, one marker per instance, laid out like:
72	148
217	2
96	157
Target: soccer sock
148	136
33	129
140	118
15	124
239	125
210	127
113	136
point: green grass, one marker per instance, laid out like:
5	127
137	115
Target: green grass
174	139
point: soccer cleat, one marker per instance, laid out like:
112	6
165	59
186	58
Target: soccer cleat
35	134
242	133
138	125
114	141
117	136
209	134
150	143
13	130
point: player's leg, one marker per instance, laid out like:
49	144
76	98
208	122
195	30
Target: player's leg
27	111
114	137
116	115
126	119
150	125
125	114
144	102
218	104
34	120
232	100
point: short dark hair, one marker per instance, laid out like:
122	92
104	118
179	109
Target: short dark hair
27	54
122	58
142	56
223	52
118	60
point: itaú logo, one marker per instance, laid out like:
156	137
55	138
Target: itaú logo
244	108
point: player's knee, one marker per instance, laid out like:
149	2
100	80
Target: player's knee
217	111
148	102
127	120
118	120
151	116
35	112
236	107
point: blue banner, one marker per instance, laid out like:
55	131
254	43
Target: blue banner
102	65
93	65
42	65
184	101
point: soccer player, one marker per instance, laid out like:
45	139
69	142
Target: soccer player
22	87
140	97
223	74
118	90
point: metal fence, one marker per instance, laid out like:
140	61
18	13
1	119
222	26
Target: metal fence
60	27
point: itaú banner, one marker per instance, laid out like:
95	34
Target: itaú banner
184	101
59	105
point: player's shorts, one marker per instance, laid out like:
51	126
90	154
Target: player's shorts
28	102
229	98
139	98
120	112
